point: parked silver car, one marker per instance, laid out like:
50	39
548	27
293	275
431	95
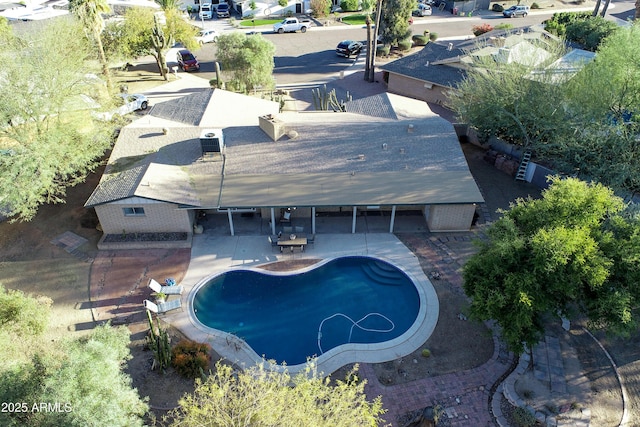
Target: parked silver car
515	11
207	36
422	10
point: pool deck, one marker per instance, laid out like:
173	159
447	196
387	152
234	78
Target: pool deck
213	253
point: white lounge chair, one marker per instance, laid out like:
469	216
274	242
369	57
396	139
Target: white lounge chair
167	290
162	307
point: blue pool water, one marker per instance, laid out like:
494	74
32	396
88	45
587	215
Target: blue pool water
290	318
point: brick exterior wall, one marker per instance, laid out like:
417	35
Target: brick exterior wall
450	217
413	88
157	218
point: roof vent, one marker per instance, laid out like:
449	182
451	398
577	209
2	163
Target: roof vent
450	47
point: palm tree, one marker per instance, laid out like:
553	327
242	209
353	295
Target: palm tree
89	12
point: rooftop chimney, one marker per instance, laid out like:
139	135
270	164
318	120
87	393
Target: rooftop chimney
271	126
450	46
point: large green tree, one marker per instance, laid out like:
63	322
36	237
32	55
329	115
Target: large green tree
259	397
89	12
575	251
394	20
248	59
612	79
584	124
83	377
499	97
23	320
602	105
48	140
144	32
5	30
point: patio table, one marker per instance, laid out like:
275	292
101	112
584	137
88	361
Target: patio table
291	241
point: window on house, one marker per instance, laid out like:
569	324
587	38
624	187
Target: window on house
133	211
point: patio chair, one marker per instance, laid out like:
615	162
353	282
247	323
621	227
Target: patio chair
167	290
299	229
162	307
286	217
311	239
287	229
274	241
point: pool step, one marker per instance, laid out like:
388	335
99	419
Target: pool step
384	277
384	266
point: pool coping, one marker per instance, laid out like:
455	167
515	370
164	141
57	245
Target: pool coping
235	350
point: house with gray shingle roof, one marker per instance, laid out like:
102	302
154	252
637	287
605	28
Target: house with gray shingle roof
386	153
431	73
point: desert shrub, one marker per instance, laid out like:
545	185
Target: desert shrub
558	23
433	36
283	3
426	352
478	30
320	8
503	26
23	314
419	40
535	6
405	45
523	418
190	358
497	7
590	32
349	5
383	50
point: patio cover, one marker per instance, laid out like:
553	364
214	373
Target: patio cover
344	189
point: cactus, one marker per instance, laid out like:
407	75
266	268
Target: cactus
159	344
323	99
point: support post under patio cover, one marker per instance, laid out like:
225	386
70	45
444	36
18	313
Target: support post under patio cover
393	218
273	221
353	221
230	222
313	219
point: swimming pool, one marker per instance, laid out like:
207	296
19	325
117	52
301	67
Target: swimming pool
344	302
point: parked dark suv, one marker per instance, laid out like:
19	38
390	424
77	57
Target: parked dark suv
187	61
222	11
348	47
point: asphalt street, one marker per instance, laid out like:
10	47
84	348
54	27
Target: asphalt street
309	58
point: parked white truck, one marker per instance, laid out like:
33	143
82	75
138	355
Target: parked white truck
290	25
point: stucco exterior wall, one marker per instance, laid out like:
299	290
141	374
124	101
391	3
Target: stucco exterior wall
157	218
413	88
450	217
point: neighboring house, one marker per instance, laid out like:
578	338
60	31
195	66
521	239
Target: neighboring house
221	152
435	70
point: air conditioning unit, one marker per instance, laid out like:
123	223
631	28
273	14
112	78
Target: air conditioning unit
212	141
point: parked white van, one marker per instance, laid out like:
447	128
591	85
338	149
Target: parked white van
206	11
